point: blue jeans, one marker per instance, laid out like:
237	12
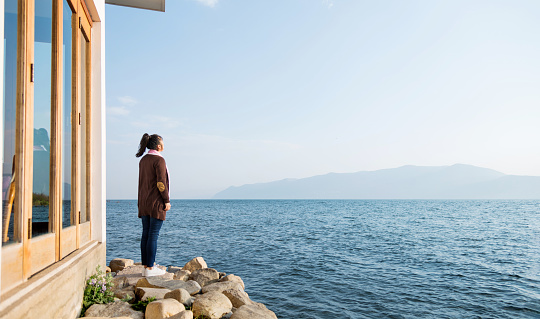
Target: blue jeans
150	234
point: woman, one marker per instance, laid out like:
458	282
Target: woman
153	200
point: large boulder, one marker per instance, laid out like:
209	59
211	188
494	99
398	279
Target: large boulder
237	297
161	309
182	275
234	278
221	286
127	293
134	273
118	264
112	310
254	310
173	269
120	282
186	314
205	276
195	263
143	293
157	282
211	305
181	295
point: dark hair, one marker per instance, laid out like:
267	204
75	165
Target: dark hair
150	142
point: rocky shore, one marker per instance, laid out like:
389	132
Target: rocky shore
192	291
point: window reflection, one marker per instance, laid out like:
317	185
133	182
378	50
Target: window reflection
82	142
9	108
66	116
42	117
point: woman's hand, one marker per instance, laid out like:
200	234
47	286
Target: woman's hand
167	206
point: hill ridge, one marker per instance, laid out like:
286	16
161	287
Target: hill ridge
457	181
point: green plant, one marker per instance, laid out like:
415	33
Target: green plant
98	290
127	298
141	304
40	200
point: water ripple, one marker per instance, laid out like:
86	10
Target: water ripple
358	259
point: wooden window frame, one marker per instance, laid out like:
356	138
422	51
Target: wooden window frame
22	259
70	237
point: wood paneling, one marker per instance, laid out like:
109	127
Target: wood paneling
12	274
89	133
24	126
43	252
85	13
56	125
85	233
68	241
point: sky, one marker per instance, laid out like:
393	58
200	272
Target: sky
250	91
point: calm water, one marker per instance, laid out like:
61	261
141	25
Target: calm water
357	259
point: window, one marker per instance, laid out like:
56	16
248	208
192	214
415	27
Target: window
46	167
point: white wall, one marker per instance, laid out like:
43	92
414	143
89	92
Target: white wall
98	157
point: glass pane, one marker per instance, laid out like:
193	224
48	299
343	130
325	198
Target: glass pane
66	116
42	117
82	142
8	118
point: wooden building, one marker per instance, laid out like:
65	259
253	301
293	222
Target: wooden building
53	152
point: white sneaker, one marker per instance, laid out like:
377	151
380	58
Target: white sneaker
154	272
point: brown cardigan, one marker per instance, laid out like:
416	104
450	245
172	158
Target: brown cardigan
153	186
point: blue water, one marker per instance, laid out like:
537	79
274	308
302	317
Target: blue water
357	258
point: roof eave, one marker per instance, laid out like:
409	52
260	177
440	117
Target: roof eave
156	5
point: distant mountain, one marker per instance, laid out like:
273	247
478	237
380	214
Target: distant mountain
458	181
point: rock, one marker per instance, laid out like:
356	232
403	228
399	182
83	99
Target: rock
134	274
181	295
205	276
182	275
237	297
191	286
233	278
255	310
221	286
125	292
222	274
120	282
161	309
212	305
189	303
108	269
115	309
227	315
195	263
186	314
118	264
173	269
143	293
107	318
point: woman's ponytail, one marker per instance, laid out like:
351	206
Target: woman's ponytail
142	145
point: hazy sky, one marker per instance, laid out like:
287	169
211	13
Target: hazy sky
246	91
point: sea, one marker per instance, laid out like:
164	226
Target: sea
326	259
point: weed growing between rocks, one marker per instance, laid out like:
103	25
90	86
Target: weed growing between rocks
98	290
142	304
202	316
